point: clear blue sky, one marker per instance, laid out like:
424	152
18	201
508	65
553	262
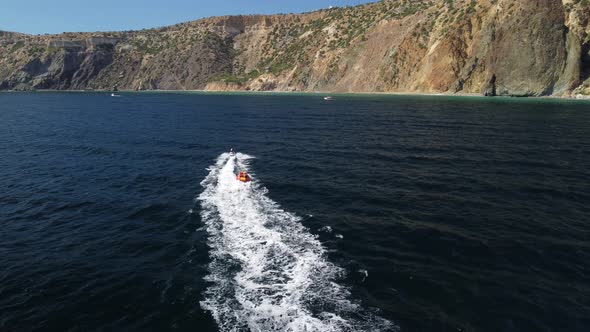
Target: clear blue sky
56	16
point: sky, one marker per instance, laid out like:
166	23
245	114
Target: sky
56	16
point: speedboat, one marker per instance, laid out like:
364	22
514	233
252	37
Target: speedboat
327	98
244	177
114	95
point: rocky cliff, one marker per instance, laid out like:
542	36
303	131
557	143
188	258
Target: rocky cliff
503	47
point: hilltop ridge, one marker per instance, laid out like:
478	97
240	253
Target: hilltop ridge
490	47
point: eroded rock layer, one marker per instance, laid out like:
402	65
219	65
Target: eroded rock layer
490	47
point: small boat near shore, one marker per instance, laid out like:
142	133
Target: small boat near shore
328	98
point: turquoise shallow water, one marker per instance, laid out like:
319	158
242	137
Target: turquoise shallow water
427	213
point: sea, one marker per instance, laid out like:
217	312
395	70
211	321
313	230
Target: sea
364	213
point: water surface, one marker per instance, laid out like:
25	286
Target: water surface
426	213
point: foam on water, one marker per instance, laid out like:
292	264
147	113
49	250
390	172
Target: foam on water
267	272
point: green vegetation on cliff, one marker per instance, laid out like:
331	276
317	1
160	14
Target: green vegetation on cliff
529	47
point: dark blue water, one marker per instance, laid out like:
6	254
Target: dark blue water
467	214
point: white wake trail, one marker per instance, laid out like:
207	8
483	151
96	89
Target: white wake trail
268	273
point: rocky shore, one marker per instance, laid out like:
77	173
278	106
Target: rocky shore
486	47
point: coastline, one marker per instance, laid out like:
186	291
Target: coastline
322	93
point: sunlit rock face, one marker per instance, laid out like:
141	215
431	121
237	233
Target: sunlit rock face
490	47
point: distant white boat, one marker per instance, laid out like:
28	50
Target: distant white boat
328	98
114	95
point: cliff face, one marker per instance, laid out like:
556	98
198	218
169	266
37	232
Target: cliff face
505	47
